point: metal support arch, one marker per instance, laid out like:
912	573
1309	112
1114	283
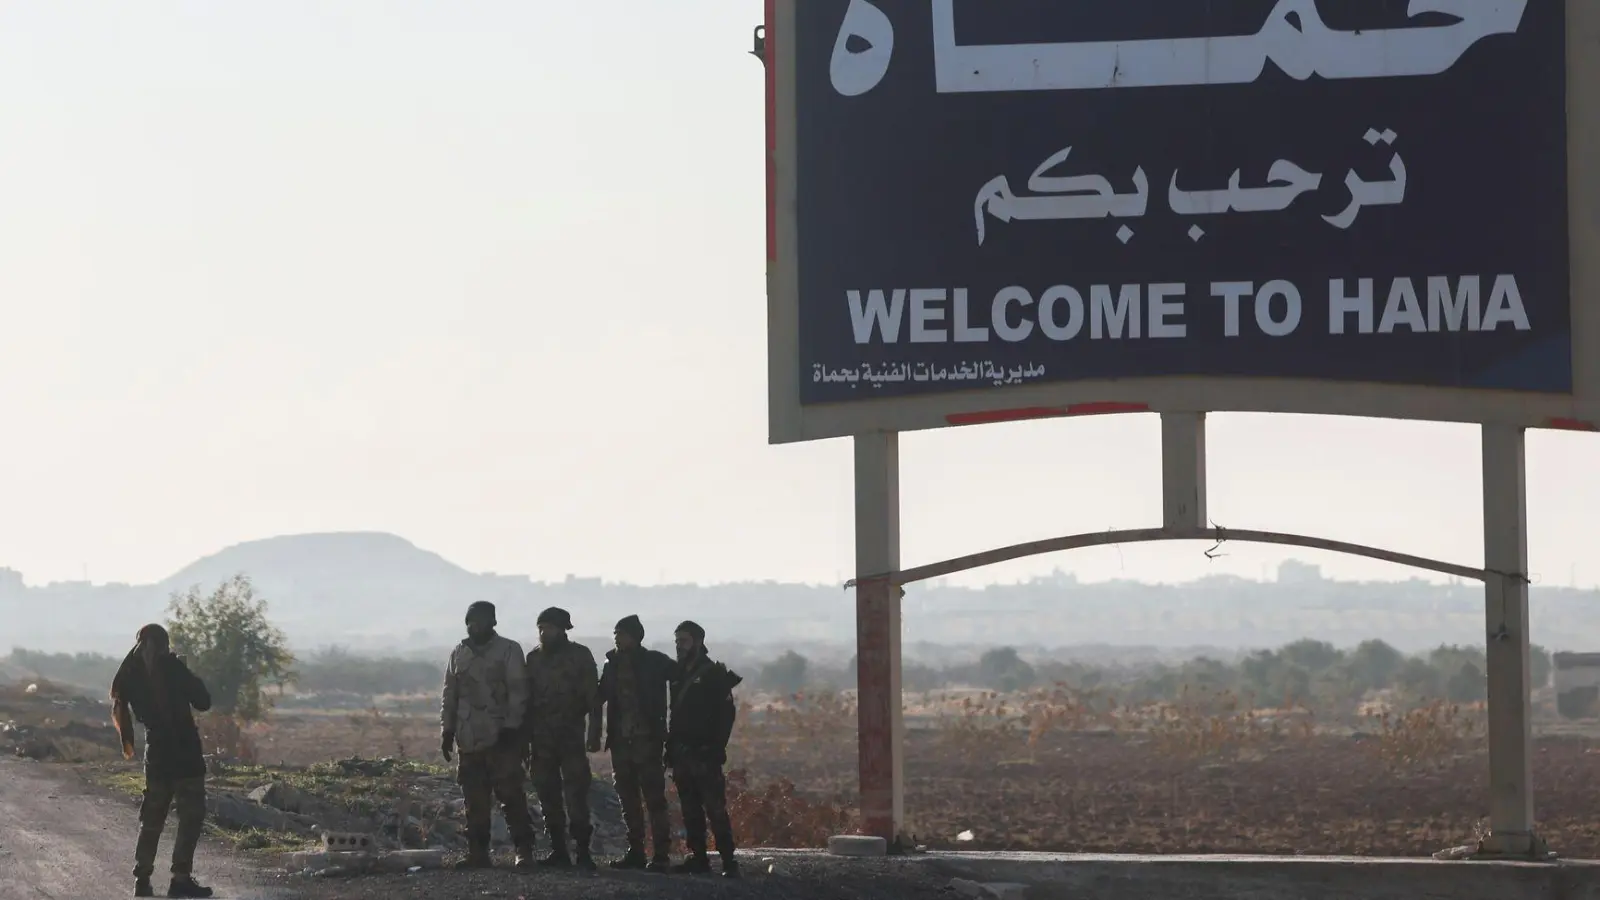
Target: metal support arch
1214	534
879	586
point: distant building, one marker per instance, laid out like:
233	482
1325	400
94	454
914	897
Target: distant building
1577	684
1293	571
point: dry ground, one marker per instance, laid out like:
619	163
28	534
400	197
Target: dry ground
798	879
1062	779
1303	790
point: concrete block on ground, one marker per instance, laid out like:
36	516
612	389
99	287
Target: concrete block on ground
857	845
322	860
348	842
989	890
1126	877
402	860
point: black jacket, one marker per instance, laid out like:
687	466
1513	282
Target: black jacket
172	747
652	672
702	710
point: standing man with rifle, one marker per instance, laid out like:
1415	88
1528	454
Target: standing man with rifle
485	697
633	692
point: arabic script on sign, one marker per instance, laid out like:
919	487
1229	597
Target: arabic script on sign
1294	38
894	373
1094	197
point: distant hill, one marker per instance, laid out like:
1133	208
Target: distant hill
361	560
374	591
355	583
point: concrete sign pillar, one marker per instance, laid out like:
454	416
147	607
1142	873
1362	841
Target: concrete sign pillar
880	722
1505	560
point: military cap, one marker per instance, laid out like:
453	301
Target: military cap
556	616
484	607
688	627
630	625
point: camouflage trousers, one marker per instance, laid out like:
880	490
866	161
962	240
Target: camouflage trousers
641	773
160	796
561	776
703	791
486	776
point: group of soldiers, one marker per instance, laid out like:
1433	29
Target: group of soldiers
539	716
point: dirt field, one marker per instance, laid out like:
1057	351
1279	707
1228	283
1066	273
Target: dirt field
1324	795
1053	776
1189	783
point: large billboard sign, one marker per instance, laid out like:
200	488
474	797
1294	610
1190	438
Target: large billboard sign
1356	206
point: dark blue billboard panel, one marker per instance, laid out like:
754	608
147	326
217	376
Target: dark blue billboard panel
996	192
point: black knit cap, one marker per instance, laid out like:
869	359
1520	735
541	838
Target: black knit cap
688	627
631	625
484	607
556	616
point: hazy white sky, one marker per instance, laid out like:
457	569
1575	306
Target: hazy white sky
489	275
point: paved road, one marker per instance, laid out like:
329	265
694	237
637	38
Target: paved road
61	838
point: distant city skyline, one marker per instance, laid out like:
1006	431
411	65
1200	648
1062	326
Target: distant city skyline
1282	570
379	592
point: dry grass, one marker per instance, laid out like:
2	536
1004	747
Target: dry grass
1066	770
988	725
1429	734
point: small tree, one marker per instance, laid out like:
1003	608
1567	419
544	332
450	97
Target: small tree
1313	656
1003	670
1418	680
227	640
1374	664
786	674
1466	685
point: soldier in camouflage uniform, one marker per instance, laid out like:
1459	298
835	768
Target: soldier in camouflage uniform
561	693
633	690
485	698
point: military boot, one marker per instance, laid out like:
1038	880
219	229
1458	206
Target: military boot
730	866
585	858
661	864
142	888
477	857
633	859
559	857
185	886
697	863
525	858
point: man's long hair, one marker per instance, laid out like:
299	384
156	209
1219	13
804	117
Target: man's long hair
133	669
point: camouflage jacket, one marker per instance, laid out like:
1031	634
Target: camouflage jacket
637	710
485	690
562	683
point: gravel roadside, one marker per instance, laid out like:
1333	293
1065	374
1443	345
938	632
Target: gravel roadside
62	837
817	877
